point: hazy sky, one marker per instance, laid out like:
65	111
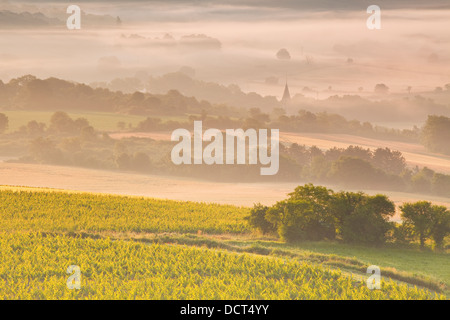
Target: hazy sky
411	49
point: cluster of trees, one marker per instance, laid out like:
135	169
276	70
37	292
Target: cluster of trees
74	142
184	82
304	121
386	159
356	167
382	108
324	122
313	213
31	93
426	180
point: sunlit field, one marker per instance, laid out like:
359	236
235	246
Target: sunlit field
177	252
225	150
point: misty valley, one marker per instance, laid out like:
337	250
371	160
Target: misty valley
225	151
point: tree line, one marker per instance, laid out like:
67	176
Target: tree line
313	213
30	93
76	142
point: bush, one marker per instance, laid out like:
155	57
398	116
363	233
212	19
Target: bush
257	219
365	227
296	220
317	213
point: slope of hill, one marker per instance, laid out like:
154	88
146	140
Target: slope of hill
118	261
165	187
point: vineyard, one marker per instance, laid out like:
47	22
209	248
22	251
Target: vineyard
76	212
42	233
33	267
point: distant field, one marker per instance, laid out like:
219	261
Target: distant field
165	187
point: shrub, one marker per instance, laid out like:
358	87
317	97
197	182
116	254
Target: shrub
297	220
257	219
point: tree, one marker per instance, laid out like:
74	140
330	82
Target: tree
436	134
149	124
62	122
343	204
296	220
365	226
88	133
421	181
4	121
304	216
316	194
419	216
381	88
81	123
440	184
34	128
356	172
123	161
45	150
440	227
256	114
257	219
390	161
362	218
283	54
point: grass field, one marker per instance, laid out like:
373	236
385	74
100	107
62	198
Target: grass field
141	248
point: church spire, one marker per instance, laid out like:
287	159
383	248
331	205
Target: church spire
286	95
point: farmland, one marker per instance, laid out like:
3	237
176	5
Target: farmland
62	212
142	248
125	270
165	187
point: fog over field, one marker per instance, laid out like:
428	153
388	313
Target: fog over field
238	44
164	187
